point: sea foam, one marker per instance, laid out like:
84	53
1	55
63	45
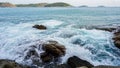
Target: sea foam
93	45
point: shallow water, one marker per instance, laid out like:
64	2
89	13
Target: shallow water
95	46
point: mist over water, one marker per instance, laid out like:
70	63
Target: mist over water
95	46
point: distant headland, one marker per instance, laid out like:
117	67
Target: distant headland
6	4
57	4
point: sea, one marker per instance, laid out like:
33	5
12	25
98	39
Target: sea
63	25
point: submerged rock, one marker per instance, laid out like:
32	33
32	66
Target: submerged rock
11	64
41	27
75	62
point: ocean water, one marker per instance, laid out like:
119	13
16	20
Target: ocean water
95	46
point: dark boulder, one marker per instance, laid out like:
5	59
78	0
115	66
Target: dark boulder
45	57
53	50
75	62
4	63
63	66
41	27
31	52
117	44
110	29
116	37
105	66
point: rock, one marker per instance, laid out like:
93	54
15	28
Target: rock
31	52
117	44
102	66
53	50
46	57
116	33
41	27
110	29
4	63
63	66
82	67
74	62
116	38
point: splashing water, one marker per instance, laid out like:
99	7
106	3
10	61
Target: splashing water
95	46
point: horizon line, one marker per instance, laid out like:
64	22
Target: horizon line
61	2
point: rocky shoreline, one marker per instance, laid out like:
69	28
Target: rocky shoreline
116	34
53	51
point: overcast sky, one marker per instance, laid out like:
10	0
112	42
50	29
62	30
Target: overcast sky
72	2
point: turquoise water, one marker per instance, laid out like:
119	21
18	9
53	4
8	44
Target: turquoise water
17	34
69	15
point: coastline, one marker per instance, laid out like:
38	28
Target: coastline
50	36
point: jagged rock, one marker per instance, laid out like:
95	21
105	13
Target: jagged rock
52	50
116	38
110	29
11	64
41	27
46	57
31	52
117	44
74	62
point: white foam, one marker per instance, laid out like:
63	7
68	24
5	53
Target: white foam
52	23
15	39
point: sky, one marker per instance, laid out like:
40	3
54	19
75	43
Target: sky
111	3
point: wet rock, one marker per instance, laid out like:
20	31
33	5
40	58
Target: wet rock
63	66
31	52
11	64
103	66
82	67
46	57
117	44
110	29
41	27
75	62
116	37
57	66
53	50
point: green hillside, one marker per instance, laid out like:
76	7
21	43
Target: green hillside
32	5
58	4
6	4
